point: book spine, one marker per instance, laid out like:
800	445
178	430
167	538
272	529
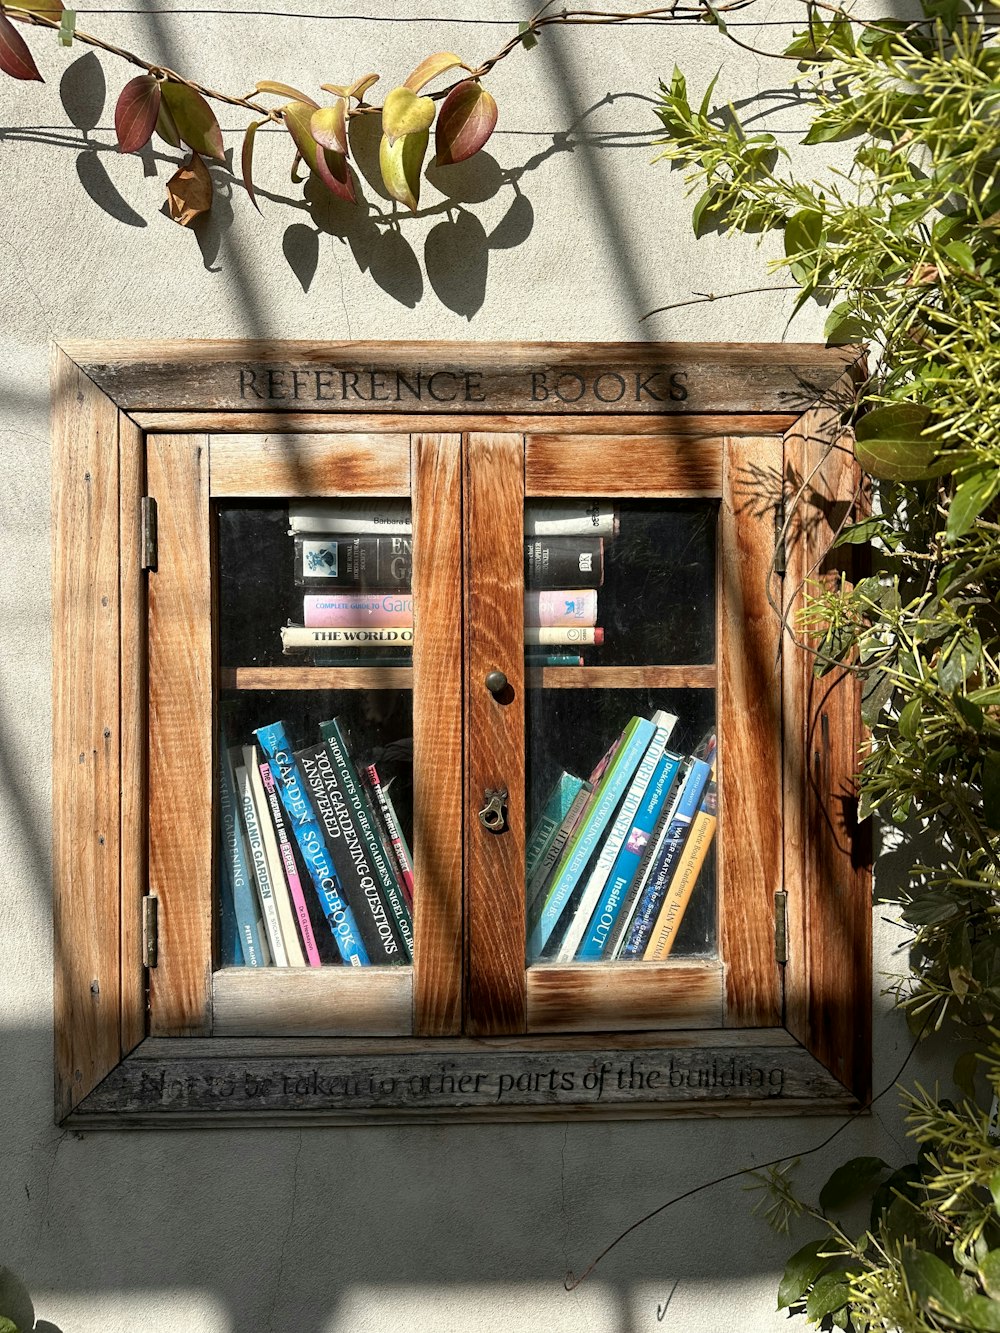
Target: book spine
375	610
540	658
295	889
394	830
392	517
668	923
593	518
635	741
555	810
598	877
342	839
626	867
258	859
275	865
585	635
245	907
563	562
230	943
364	818
315	854
565	606
540	882
667	857
636	889
322	563
297	638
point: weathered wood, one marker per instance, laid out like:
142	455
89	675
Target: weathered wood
827	854
545	378
316	678
194	422
134	790
749	712
494	730
437	735
617	997
86	734
302	464
445	1079
181	735
312	1001
623	678
647	467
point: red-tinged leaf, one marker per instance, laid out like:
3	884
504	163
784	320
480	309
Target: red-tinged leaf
467	118
328	126
431	67
330	167
165	126
136	113
285	90
248	140
357	89
15	58
195	119
189	191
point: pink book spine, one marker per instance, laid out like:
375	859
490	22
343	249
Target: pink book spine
379	610
557	607
291	872
395	833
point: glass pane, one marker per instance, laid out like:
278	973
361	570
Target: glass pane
621	761
315	763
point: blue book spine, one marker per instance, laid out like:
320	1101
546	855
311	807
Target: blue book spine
315	853
244	902
635	742
666	859
230	944
557	807
627	863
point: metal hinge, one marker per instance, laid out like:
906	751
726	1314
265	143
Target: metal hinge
781	926
150	931
779	537
147	533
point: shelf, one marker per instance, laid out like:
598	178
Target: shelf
580	997
317	678
622	678
312	1001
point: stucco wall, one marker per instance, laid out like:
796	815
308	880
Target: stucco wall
565	232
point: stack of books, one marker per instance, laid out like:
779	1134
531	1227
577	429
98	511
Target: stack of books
613	861
311	848
564	543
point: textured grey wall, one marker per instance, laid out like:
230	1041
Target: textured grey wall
565	232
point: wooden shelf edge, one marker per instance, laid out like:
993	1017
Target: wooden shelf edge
622	678
317	678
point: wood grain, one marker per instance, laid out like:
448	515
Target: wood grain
617	997
437	735
301	464
312	1001
181	735
494	730
645	467
196	422
86	734
316	678
623	678
749	711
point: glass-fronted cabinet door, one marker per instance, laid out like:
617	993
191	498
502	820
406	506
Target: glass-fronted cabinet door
304	830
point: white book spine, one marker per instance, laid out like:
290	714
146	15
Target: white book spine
279	886
351	517
258	857
575	518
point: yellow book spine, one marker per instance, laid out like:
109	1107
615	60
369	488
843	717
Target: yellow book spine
692	858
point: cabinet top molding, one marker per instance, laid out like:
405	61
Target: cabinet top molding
546	378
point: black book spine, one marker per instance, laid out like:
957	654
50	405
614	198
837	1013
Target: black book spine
563	562
385	563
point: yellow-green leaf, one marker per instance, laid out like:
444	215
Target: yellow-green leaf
400	163
433	66
285	90
468	118
406	113
357	89
330	167
247	160
189	191
328	126
194	118
165	126
46	9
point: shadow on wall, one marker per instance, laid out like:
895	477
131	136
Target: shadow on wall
16	1306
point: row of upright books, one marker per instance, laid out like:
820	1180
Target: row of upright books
613	860
354	564
315	866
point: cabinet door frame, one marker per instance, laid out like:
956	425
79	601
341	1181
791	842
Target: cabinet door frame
107	398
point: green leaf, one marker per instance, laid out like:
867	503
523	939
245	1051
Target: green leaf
803	233
970	712
909	720
830	1293
933	1283
706	101
929	909
859	533
960	659
703	204
406	113
801	1271
989	1266
975	491
8	1325
400	163
962	255
982	1314
467	118
194	118
165	126
842	326
528	39
991	789
888	443
995	1189
853	1178
964	1077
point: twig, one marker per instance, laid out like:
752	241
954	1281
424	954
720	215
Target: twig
700	298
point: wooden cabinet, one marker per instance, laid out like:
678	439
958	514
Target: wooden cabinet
730	471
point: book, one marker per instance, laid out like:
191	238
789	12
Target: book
555	635
598	877
627	864
383	866
294	881
312	846
634	743
667	856
678	895
563	562
561	606
387	811
635	890
379	609
540	658
557	806
383	563
564	518
350	516
275	865
246	908
258	860
300	638
350	862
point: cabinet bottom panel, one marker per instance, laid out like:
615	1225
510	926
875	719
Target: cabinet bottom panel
306	1001
625	997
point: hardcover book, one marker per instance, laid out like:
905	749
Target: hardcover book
585	635
394	830
563	562
678	895
246	908
298	638
383	563
557	806
258	861
275	865
337	609
561	606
